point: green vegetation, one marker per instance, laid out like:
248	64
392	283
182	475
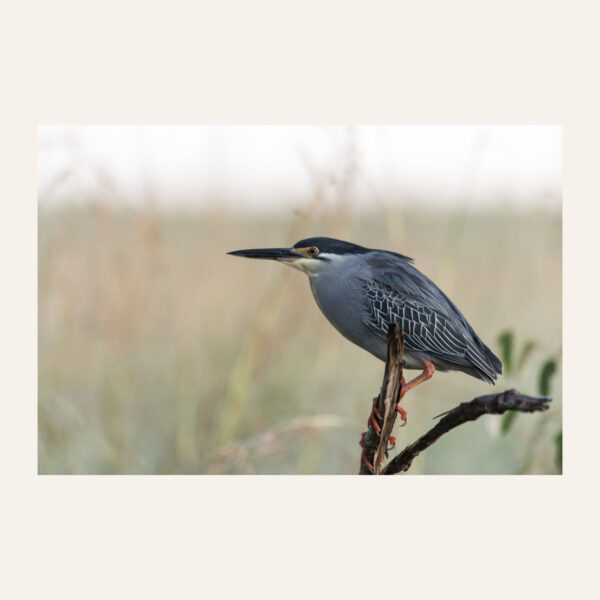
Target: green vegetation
158	353
545	375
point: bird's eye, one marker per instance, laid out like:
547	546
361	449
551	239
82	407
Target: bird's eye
313	251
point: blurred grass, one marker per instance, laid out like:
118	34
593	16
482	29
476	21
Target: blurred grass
158	353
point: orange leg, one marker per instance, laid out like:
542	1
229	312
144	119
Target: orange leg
375	413
427	373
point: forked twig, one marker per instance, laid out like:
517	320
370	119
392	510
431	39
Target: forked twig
376	445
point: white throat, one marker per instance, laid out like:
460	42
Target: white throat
313	267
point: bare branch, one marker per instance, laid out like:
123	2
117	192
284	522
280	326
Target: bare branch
491	404
375	444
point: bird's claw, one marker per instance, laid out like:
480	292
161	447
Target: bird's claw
376	407
372	422
363	457
403	414
375	414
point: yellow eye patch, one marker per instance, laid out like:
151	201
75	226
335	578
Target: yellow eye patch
309	252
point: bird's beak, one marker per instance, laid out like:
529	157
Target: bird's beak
281	254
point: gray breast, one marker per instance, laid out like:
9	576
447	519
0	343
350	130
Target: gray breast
340	294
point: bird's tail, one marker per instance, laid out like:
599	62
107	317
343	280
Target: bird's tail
487	365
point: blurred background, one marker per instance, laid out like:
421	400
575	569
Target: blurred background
158	353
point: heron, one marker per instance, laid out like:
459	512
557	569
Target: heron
361	291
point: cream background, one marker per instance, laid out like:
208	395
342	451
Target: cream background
311	62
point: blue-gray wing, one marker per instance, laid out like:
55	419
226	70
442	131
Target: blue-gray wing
431	322
425	329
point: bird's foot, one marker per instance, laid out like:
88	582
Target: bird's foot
403	414
363	457
373	422
375	414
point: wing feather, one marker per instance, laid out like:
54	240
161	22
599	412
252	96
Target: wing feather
403	292
425	329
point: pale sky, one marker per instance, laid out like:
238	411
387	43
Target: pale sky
275	166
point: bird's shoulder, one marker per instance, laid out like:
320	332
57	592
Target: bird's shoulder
406	283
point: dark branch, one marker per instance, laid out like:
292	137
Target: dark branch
376	445
491	404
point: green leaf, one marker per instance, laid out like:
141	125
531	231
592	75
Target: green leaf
558	455
506	340
528	348
546	373
507	420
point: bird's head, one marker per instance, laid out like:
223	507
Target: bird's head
311	255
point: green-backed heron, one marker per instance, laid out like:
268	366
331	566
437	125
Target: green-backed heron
362	290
